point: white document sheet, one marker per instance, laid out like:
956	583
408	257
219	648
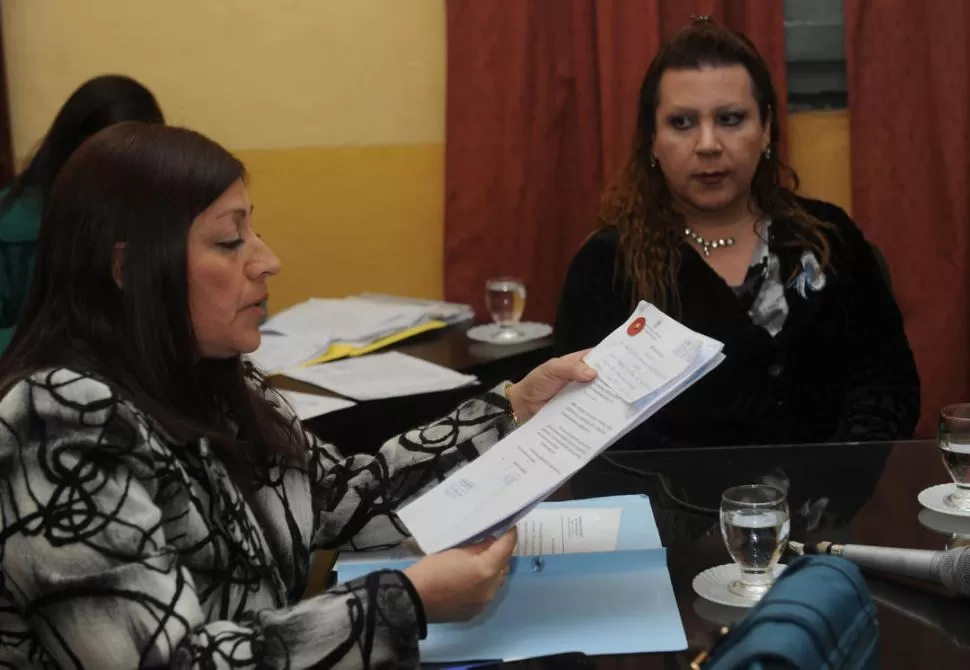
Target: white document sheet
449	312
564	530
386	375
657	354
349	320
309	405
279	352
542	532
494	491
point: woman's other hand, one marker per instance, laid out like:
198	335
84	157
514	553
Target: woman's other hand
457	584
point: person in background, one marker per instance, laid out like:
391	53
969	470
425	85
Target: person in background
159	501
96	104
701	224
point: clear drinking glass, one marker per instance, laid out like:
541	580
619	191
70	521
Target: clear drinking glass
956	541
953	441
505	300
755	524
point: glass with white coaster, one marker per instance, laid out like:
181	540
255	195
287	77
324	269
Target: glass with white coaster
755	525
505	301
953	444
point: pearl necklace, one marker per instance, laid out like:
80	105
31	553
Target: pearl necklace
707	245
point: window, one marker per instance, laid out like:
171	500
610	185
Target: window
815	53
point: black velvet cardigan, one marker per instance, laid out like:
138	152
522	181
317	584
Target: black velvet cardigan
840	369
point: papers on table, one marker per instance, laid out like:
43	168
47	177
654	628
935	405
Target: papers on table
338	328
449	312
328	330
279	352
350	320
642	366
608	596
309	405
381	376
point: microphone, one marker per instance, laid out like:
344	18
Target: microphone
949	568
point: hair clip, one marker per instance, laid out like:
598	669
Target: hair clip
705	18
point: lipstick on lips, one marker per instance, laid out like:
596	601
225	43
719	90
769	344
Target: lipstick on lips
710	178
259	305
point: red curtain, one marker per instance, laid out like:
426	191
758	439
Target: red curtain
541	107
908	66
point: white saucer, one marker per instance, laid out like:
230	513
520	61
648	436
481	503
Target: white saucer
722	615
932	498
948	524
528	331
712	584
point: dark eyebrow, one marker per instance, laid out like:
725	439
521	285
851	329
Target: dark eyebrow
238	211
731	108
238	216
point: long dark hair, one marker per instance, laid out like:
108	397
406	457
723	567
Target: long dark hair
96	104
638	204
142	186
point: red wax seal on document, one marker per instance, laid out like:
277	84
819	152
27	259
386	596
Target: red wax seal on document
636	326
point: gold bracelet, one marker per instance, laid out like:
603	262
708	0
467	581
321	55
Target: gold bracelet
508	399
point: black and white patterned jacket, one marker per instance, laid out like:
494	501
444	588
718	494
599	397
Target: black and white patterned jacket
122	549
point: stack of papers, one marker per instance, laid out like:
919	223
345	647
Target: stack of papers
588	576
642	366
320	330
449	312
278	352
350	320
381	376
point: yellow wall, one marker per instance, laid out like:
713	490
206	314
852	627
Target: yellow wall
336	106
819	146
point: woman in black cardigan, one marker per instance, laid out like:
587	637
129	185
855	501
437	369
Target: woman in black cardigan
700	224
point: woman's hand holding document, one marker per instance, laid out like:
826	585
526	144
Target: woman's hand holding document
458	584
545	382
585	575
641	366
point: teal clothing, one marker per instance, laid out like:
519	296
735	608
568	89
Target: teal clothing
19	227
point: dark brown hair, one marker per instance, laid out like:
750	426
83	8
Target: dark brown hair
142	185
96	104
638	204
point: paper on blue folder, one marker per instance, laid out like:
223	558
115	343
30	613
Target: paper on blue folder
605	602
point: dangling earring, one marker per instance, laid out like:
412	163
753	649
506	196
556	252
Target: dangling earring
768	154
653	161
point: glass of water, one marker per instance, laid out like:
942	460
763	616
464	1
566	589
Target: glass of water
953	441
755	525
505	300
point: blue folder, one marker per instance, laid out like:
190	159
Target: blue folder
618	602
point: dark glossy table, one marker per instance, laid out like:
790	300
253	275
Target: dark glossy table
859	493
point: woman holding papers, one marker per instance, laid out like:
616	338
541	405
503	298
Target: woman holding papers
701	224
159	502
